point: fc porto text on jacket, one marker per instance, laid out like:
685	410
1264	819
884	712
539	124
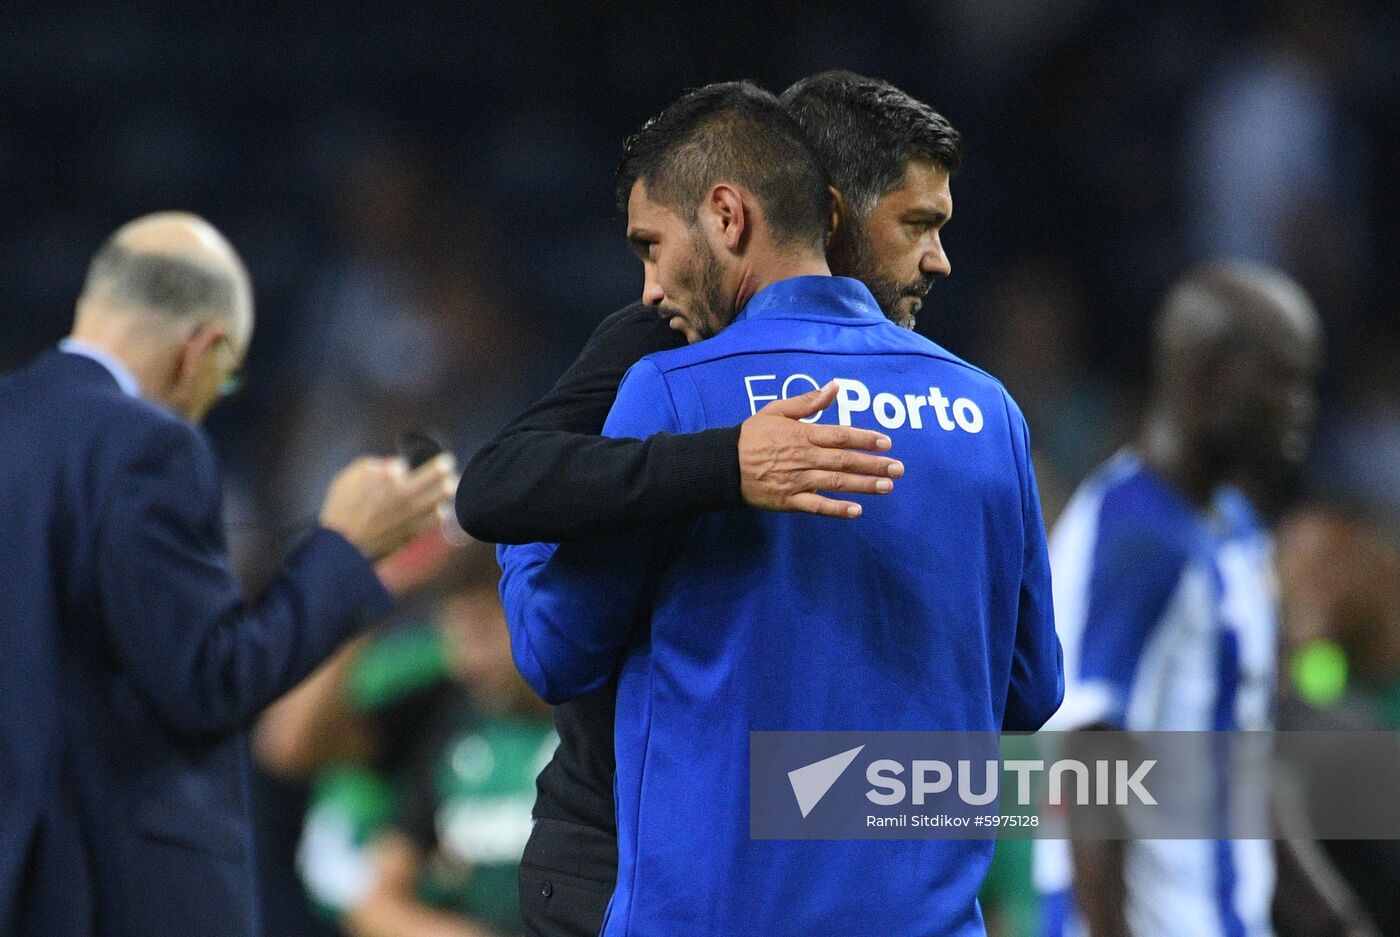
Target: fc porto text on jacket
892	411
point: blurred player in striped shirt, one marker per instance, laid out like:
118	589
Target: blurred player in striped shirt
1165	597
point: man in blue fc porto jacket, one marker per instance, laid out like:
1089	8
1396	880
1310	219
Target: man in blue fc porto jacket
932	613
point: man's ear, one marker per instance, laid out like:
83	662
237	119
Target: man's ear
840	211
729	217
199	346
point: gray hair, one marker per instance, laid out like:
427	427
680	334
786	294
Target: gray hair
174	287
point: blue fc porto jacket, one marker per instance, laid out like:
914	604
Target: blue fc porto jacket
932	611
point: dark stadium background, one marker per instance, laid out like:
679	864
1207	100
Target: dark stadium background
422	193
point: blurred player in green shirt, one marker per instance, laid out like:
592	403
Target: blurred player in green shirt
430	843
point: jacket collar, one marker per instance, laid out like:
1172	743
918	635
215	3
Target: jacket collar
119	372
809	296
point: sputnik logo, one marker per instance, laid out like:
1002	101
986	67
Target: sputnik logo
811	782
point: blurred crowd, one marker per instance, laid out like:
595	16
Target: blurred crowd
422	194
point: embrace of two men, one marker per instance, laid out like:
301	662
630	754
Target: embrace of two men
708	627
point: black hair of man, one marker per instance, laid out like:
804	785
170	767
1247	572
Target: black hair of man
730	132
172	286
866	132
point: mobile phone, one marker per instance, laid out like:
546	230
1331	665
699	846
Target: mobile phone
418	446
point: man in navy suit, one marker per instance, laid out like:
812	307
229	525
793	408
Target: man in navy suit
131	661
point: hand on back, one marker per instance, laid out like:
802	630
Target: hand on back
784	463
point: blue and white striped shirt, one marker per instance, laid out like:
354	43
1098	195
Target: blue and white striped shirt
1168	619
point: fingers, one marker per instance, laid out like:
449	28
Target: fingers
852	463
834	437
426	521
368	466
847	437
426	504
419	517
435	478
430	486
848	473
805	405
811	503
839	481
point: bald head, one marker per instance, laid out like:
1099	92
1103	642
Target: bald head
1232	309
168	298
1237	351
171	266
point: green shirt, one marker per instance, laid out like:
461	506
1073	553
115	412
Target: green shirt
458	783
470	811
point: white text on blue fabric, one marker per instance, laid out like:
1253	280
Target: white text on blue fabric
891	411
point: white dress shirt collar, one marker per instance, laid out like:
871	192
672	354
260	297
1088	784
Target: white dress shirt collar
124	378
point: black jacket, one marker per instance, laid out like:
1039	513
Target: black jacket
549	476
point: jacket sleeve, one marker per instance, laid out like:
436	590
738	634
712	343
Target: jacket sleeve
573	609
1037	664
175	619
549	476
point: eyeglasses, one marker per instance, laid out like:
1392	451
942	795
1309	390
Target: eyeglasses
231	385
234	382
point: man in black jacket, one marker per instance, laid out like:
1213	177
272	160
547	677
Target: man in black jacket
550	476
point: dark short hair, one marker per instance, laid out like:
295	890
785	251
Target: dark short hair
737	132
171	286
866	131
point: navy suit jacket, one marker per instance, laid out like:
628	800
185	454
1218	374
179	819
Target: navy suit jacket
132	664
